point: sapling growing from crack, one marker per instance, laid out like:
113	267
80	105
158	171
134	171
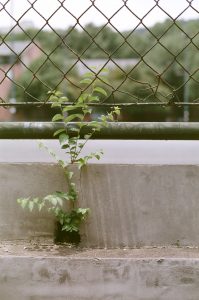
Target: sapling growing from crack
72	142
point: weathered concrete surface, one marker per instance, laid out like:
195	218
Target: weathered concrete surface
24	180
131	205
44	248
98	278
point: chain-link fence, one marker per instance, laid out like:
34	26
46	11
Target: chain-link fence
149	68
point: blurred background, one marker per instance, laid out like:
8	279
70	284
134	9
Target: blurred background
146	51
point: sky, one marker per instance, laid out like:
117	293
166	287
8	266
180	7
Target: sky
23	11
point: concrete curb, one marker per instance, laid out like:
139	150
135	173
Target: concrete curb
64	278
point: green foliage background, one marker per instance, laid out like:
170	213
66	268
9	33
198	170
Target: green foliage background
166	54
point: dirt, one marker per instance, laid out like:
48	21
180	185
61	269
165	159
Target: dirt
47	248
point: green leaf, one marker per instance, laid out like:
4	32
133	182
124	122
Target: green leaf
82	98
97	156
110	117
62	163
83	211
87	136
82	162
31	205
60	201
66	146
86	81
72	117
74	129
69	108
41	145
40	206
116	110
56	104
59	131
81	145
104	70
52	199
57	117
95	125
62	195
70	174
36	200
87	111
58	93
50	92
66	227
100	90
93	99
64	99
23	202
73	140
53	98
63	139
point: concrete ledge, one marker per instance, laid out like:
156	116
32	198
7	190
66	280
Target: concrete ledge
96	277
131	205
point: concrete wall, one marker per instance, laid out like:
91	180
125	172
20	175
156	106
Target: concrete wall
131	205
63	278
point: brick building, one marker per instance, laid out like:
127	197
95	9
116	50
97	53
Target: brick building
14	56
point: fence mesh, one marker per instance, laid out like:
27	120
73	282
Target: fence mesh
143	64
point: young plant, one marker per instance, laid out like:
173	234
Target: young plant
72	142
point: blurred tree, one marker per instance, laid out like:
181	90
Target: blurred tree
164	52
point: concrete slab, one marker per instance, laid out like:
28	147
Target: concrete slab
140	274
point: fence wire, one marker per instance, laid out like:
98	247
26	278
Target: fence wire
141	65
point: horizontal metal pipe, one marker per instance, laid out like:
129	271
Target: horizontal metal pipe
43	104
115	130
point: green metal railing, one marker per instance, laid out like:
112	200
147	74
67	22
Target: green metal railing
119	130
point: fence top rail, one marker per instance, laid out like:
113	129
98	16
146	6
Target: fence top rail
125	104
115	130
